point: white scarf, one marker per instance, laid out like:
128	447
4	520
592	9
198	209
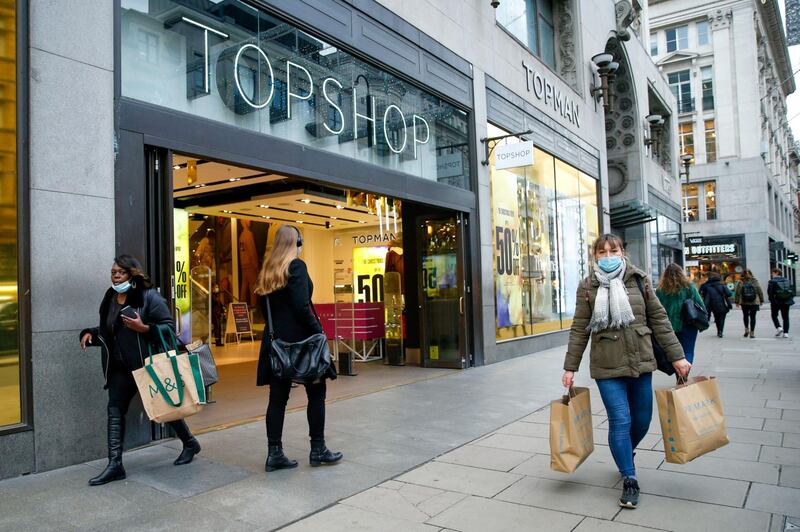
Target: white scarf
612	310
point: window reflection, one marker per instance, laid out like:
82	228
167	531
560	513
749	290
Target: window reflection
544	218
10	412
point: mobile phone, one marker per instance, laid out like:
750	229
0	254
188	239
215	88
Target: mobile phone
128	312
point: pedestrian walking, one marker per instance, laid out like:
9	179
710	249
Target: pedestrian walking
612	312
674	289
717	299
781	296
284	279
130	312
749	297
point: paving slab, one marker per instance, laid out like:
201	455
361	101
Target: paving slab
535	430
482	457
564	497
745	411
462	479
783	425
712	466
515	443
780	455
788	405
791	440
791	415
790	476
476	514
738	422
689	516
164	519
775	499
590	472
692	487
342	518
762	437
590	524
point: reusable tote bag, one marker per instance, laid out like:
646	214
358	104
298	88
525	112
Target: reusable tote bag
692	420
170	383
570	430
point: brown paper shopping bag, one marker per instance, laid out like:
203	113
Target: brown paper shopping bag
571	439
170	385
692	420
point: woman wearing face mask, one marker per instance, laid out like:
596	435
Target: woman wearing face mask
284	285
129	313
614	306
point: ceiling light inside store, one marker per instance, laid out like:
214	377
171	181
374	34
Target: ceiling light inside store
339	207
333	217
235	179
226	211
306	201
264	206
300	212
266	217
299	221
362	222
176	167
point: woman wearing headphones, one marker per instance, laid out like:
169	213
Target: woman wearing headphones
284	278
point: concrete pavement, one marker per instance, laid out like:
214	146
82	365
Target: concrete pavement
464	452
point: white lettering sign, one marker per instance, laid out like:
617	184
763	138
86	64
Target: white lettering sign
513	155
450	165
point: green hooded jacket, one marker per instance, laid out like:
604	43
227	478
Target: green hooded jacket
626	352
673	304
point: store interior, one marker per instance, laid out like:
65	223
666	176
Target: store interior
225	219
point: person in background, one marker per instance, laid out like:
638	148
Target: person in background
781	297
673	289
716	297
129	313
749	297
284	285
613	308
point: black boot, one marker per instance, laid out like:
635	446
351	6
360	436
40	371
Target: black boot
321	455
116	434
277	460
190	444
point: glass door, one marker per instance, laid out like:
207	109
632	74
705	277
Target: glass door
442	296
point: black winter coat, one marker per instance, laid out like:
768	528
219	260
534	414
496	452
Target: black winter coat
132	346
716	296
292	316
772	288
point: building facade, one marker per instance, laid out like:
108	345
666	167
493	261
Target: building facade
728	66
499	141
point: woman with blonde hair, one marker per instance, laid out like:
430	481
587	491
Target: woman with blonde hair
617	310
673	290
285	289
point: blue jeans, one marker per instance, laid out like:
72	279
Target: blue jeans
688	337
629	406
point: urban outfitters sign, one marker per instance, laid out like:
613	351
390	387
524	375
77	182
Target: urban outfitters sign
551	96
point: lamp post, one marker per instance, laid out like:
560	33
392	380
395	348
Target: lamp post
686	161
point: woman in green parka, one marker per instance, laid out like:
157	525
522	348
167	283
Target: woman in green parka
617	309
673	289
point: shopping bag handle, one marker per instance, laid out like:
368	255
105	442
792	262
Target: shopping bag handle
570	394
160	386
164	345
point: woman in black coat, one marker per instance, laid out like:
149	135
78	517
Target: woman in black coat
285	286
717	299
129	314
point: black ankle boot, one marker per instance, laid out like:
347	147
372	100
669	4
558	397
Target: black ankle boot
277	460
190	448
190	444
321	455
116	434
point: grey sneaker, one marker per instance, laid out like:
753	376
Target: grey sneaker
630	493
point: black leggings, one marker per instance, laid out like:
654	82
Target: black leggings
784	312
749	316
276	410
122	388
719	320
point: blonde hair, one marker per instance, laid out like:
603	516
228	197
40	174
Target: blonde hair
274	272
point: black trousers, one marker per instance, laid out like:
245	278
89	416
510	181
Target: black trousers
719	320
776	308
122	389
276	410
749	316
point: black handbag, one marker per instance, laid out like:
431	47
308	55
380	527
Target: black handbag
208	368
305	361
694	315
662	362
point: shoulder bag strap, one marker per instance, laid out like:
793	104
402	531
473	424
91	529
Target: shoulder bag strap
644	296
271	329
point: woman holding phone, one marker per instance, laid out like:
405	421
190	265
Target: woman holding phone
617	309
129	314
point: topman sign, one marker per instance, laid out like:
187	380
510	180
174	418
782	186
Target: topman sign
549	94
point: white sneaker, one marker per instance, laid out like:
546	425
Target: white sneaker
778	332
786	335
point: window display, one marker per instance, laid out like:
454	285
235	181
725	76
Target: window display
544	219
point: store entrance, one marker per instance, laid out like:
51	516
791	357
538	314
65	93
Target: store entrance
388	277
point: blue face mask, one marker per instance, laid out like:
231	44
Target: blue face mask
122	287
609	264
